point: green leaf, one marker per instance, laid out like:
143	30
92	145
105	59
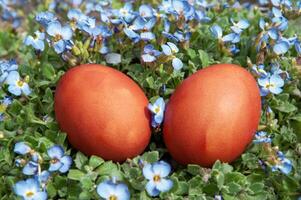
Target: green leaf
75	174
95	161
51	191
151	157
48	71
108	169
204	58
220	179
86	183
191	53
256	187
233	188
286	107
193	169
80	160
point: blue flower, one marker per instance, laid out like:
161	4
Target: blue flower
6	67
278	3
282	163
239	26
135	37
77	17
262	137
22	148
170	49
216	31
59	161
29	190
201	16
275	69
156	174
6	101
231	37
16	85
146	11
111	190
233	49
270	84
280	21
45	18
125	13
157	109
294	41
43	177
61	34
281	46
259	70
150	54
37	41
271	32
182	8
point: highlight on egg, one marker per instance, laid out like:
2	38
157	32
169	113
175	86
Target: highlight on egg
213	115
103	112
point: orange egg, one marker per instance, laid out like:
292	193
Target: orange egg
213	115
103	112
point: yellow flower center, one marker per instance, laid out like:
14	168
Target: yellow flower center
157	178
270	85
2	108
123	11
20	83
53	161
29	194
157	110
57	37
113	197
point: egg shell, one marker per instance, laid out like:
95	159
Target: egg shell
213	115
103	112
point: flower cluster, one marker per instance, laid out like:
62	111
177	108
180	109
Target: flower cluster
118	26
276	159
9	14
271	37
270	82
10	76
31	161
232	38
155	173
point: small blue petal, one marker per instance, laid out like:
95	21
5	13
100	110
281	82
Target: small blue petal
161	168
105	189
122	192
148	58
281	47
113	58
166	49
164	185
55	152
59	46
67	162
177	64
148	172
21	148
31	168
151	189
55	166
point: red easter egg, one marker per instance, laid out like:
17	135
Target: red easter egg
213	115
103	112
